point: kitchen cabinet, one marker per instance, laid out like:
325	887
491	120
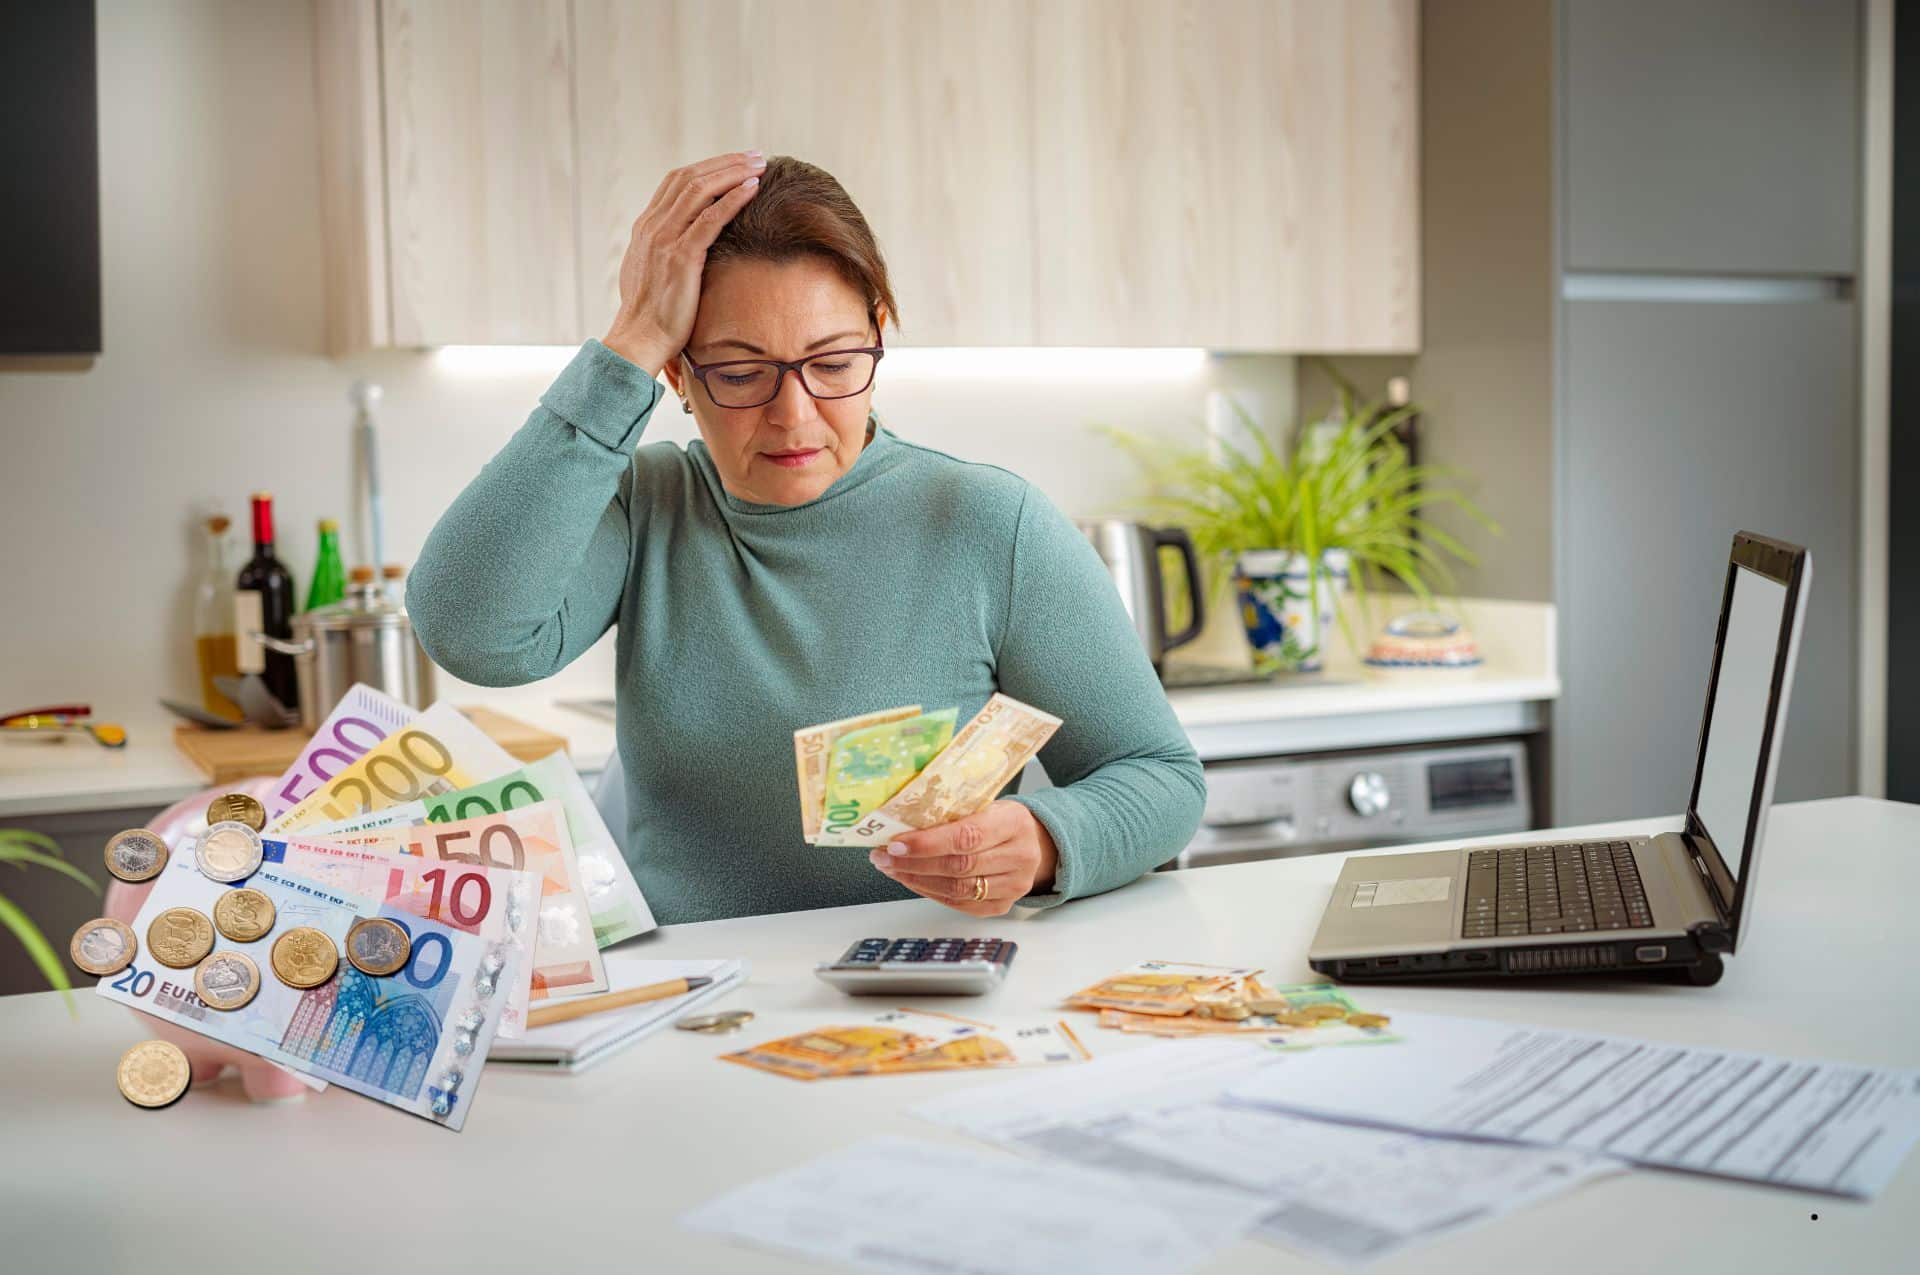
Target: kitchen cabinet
1240	174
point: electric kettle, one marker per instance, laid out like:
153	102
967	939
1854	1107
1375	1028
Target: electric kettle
1131	552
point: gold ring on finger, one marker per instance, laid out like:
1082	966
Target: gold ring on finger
979	889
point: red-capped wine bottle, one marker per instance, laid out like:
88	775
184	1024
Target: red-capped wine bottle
263	603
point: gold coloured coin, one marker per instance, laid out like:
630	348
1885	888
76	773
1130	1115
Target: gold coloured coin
1294	1018
227	852
1232	1012
153	1073
1324	1012
103	946
304	957
243	915
226	980
136	855
377	946
180	937
1368	1020
237	807
1274	1006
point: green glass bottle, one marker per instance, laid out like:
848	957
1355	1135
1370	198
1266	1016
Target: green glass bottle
329	575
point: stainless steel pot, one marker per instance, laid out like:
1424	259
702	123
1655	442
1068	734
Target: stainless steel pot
1131	552
365	638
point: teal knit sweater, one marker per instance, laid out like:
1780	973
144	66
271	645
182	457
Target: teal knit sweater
915	578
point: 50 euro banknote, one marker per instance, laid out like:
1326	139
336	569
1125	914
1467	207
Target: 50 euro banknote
496	905
1164	988
414	1040
438	751
962	779
566	960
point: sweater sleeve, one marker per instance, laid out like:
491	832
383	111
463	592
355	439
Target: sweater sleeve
526	568
1130	787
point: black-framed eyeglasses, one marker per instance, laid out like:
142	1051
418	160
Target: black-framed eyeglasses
753	382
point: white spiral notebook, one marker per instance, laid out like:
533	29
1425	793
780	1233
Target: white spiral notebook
579	1043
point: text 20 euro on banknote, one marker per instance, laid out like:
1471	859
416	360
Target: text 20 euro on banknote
496	905
963	779
414	1040
436	752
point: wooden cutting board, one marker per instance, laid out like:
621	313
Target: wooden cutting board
224	755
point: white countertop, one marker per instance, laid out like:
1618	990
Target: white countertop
1355	707
590	1172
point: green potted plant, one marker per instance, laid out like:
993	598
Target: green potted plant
23	849
1343	507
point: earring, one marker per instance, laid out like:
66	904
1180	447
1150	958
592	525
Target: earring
686	406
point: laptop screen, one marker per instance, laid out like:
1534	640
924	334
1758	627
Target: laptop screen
1762	609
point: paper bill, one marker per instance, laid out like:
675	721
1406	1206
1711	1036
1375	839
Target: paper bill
855	1047
439	751
404	815
363	717
1029	1044
967	775
1162	987
614	900
413	1040
532	839
494	904
813	745
867	766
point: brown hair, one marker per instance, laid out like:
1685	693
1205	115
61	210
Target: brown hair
801	210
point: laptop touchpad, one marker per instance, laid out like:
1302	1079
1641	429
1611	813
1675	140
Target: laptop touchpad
1384	894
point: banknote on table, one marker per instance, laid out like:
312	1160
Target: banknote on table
854	1045
618	908
363	717
963	779
1164	987
1016	1044
438	751
495	904
530	838
414	1040
1298	1016
813	748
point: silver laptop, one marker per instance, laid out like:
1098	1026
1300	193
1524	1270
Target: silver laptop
1676	900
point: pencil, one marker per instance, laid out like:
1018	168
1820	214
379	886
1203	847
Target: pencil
541	1015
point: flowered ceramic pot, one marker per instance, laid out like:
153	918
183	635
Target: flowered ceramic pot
1286	634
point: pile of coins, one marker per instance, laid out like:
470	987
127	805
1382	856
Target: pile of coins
155	1073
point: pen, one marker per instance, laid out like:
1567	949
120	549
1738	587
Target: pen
541	1015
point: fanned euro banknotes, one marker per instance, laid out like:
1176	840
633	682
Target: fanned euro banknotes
414	1040
865	780
363	717
436	752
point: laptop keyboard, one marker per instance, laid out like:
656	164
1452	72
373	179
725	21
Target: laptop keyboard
1553	889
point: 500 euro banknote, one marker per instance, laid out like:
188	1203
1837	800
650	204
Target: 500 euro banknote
438	751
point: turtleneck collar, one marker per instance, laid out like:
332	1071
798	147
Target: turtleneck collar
873	458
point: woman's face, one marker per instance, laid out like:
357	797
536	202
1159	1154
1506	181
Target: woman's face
790	450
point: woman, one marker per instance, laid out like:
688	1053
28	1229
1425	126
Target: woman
797	564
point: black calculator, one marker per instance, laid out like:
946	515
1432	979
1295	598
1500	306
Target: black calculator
919	967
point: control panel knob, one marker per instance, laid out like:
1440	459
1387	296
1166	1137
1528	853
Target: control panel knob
1368	794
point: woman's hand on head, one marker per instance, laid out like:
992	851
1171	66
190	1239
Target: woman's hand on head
1003	846
667	253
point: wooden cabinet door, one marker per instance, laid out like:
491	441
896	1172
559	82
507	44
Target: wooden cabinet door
1238	174
480	172
919	110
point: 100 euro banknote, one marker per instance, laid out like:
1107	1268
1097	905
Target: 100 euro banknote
618	908
438	751
414	1040
566	961
496	905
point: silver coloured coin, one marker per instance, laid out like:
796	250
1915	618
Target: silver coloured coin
227	852
136	855
714	1024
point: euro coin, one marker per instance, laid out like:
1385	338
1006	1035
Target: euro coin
227	980
102	946
1368	1020
1232	1012
304	957
377	946
243	915
1294	1018
237	807
136	855
1324	1012
227	852
1272	1006
180	937
716	1024
153	1073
